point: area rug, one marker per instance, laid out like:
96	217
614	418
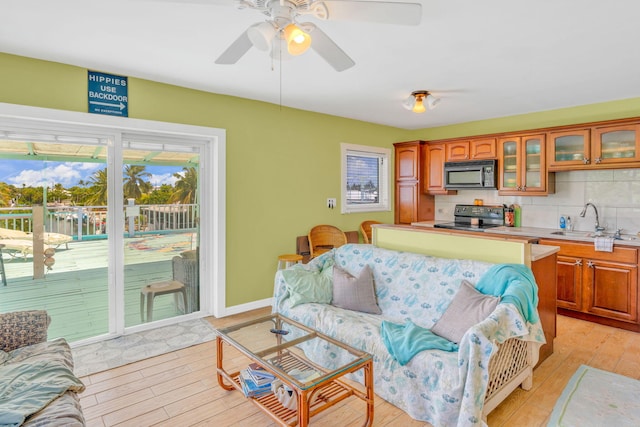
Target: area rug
97	357
594	397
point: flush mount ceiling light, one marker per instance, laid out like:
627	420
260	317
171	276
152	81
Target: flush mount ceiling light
415	102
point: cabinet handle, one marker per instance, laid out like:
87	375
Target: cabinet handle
598	160
578	262
586	160
523	188
590	264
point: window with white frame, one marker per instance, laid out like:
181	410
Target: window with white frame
365	178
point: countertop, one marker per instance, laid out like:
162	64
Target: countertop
542	251
541	233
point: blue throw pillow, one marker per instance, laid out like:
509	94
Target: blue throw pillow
309	286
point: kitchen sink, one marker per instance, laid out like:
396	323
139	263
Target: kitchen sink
572	233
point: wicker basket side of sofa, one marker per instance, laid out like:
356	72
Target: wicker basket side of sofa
511	366
23	328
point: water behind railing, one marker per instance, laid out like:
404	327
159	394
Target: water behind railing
90	222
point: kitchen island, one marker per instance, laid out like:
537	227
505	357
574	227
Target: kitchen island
489	247
592	284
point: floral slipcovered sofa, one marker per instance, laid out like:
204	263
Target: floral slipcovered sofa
446	385
37	384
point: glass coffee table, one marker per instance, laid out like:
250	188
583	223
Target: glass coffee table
277	344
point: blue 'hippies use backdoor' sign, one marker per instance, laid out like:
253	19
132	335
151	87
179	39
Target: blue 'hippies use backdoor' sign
108	94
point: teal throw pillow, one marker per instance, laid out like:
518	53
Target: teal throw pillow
309	286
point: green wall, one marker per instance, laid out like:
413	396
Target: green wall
282	163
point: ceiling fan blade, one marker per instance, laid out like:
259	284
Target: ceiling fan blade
236	50
328	49
374	11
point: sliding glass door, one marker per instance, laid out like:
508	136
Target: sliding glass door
161	237
101	227
53	205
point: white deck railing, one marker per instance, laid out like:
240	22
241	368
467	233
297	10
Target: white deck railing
89	222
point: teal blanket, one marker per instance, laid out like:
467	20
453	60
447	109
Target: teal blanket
26	388
405	341
515	284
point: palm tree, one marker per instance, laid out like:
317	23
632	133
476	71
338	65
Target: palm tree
186	186
98	190
134	183
5	194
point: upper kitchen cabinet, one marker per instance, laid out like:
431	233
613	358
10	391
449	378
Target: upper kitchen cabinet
569	149
602	146
412	204
408	160
483	148
471	149
522	166
616	144
434	172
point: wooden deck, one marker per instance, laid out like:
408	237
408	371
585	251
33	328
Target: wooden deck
75	291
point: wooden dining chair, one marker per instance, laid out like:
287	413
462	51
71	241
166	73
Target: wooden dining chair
365	229
323	238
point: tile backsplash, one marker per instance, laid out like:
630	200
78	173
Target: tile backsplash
616	194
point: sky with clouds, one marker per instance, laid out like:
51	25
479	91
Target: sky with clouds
40	173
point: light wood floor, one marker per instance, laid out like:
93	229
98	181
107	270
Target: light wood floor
180	388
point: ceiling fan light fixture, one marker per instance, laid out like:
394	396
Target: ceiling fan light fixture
261	35
298	42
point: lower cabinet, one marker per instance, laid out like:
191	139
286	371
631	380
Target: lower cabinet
598	285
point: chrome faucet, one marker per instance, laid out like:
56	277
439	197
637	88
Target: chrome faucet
599	229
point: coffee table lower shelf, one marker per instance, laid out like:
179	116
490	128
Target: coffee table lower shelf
319	398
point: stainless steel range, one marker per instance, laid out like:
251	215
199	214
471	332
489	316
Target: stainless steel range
475	218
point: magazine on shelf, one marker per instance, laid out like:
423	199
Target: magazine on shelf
259	375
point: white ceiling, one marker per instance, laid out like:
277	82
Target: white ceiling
483	58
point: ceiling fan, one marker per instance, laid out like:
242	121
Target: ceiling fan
284	35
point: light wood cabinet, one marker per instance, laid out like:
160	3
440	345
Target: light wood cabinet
408	161
434	172
598	147
569	148
522	166
569	292
544	271
616	144
483	148
471	149
458	150
598	286
612	290
412	204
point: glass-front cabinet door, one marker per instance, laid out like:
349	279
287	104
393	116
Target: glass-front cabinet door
533	152
567	148
616	144
523	165
509	165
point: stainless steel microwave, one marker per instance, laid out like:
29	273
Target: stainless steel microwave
470	174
